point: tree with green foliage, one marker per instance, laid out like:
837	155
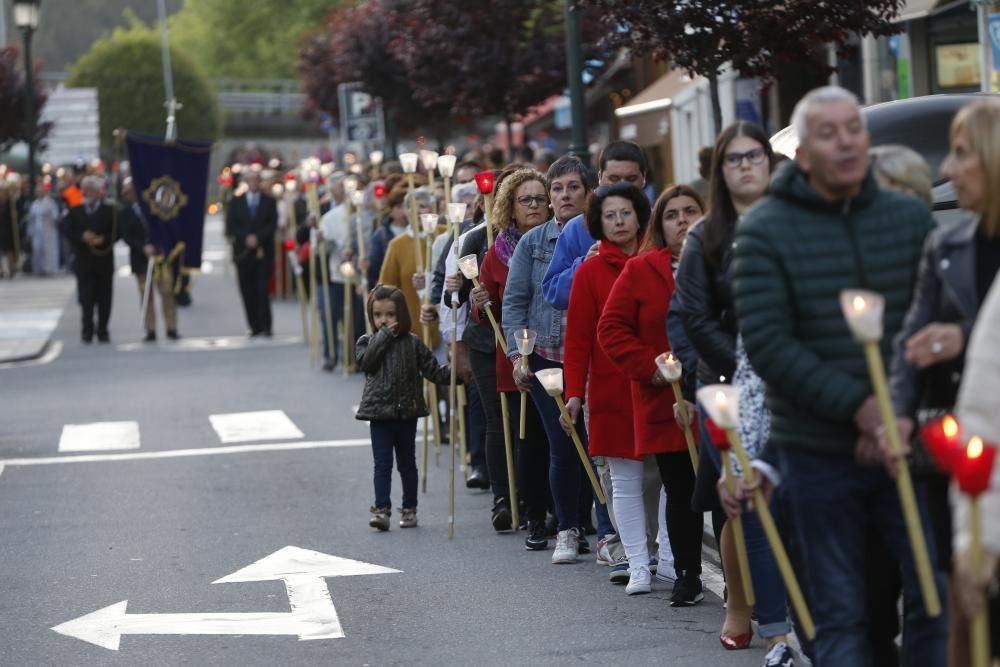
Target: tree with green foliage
126	69
230	39
13	91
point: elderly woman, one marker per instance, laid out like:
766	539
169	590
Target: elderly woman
43	219
525	307
901	168
959	265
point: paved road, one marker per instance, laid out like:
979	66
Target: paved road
155	524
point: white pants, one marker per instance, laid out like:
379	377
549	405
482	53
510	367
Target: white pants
634	485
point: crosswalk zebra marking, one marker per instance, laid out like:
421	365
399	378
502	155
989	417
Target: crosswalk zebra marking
252	426
99	436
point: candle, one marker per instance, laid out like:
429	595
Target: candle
456	213
350	187
446	165
347	270
429	222
408	161
429	159
376	157
551	380
484	180
863	311
469	266
943	440
358	198
670	368
722	402
974	467
526	341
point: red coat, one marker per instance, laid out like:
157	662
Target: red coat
608	390
633	331
493	278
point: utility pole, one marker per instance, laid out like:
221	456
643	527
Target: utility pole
574	71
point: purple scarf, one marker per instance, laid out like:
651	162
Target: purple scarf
506	242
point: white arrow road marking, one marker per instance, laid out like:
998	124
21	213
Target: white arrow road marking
250	426
312	614
99	436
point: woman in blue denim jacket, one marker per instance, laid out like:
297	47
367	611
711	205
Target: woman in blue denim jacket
525	307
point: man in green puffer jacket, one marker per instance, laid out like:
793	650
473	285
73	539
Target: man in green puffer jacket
826	226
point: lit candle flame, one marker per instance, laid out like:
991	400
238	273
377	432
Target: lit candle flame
949	426
859	303
670	357
975	449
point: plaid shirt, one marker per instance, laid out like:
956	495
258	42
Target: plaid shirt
555	354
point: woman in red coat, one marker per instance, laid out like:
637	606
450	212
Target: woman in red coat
510	223
617	216
632	333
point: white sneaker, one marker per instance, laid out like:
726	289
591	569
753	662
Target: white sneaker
640	581
567	547
665	574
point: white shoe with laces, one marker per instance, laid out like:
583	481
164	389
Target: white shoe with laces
567	547
779	655
640	581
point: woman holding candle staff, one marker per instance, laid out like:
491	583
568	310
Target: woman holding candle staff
959	265
632	334
511	221
741	166
524	307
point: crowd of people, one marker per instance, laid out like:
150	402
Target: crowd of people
742	287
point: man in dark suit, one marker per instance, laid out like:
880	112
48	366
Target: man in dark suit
251	222
90	227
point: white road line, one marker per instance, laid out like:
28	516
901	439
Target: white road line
99	436
182	453
52	352
252	426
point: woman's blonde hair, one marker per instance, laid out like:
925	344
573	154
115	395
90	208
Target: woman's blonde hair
981	123
901	168
503	204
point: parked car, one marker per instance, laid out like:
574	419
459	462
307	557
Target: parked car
921	123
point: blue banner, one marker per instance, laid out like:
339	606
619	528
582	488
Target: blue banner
994	29
171	183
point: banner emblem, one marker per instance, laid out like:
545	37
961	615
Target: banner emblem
165	198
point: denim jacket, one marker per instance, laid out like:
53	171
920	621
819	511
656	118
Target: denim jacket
524	306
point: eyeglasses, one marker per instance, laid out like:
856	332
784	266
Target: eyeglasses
532	202
753	156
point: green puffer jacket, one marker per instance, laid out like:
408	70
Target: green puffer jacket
794	253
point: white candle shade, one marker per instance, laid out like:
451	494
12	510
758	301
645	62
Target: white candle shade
469	266
456	213
350	186
551	379
446	165
526	341
409	162
429	159
376	157
722	403
429	222
347	270
670	367
358	198
863	310
276	189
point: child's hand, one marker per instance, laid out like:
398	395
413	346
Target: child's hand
394	328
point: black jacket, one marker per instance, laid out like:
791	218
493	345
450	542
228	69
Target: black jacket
393	368
478	336
946	292
240	224
707	308
101	222
132	229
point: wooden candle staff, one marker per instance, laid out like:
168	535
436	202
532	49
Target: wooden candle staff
525	346
863	311
456	214
722	403
469	266
672	371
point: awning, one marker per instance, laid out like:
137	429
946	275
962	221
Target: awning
915	9
657	96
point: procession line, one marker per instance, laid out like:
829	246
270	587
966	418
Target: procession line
182	453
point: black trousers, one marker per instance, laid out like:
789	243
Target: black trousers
93	288
253	276
684	526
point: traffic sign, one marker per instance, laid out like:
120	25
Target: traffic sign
361	117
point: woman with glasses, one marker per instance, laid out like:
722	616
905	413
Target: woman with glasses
525	307
741	169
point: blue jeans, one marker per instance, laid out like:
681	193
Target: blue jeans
768	586
475	428
832	500
565	468
397	436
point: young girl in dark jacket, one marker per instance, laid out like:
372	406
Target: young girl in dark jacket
393	360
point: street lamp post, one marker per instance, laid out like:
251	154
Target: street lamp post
26	19
574	71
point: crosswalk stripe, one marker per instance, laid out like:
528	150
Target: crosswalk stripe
252	426
99	436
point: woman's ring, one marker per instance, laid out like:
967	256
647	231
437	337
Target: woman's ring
936	347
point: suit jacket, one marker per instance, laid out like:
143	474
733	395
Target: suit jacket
132	229
240	223
101	222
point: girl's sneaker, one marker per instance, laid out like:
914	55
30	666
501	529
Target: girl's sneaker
408	518
380	518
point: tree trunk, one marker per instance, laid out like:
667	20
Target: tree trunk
391	134
713	89
510	139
